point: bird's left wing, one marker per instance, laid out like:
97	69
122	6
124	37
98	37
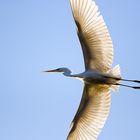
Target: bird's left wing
92	113
93	35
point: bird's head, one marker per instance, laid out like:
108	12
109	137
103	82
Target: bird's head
65	71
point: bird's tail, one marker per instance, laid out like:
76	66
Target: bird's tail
116	73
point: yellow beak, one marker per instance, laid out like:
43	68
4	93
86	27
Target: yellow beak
50	71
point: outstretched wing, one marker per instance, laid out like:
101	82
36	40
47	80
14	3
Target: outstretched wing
92	113
93	35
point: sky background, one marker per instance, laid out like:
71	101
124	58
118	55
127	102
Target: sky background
36	35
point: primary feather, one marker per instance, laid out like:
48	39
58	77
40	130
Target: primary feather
92	113
93	35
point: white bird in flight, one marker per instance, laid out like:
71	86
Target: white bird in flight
98	77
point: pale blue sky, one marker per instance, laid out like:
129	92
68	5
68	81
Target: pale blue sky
40	34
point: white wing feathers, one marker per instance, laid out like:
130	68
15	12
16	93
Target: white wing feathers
92	113
98	54
93	35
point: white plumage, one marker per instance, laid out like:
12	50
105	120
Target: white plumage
98	76
98	55
92	113
93	35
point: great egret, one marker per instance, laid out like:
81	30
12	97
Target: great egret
98	77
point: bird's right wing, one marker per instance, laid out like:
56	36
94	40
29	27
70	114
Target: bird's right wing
93	35
92	113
